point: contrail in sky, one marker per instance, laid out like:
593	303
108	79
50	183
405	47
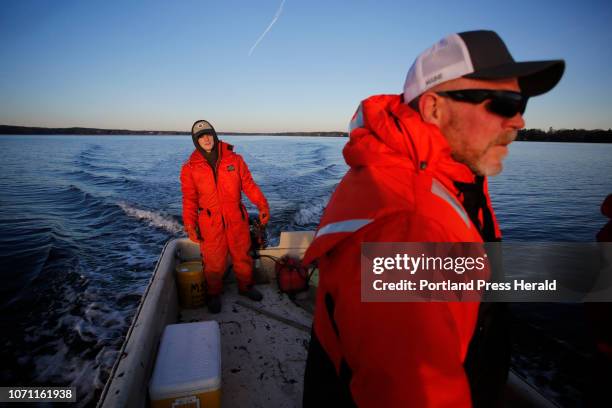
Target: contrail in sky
276	16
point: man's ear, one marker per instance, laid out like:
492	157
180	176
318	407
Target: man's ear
430	108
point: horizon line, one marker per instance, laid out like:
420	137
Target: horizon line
244	132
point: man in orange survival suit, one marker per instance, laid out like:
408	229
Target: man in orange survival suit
418	167
212	180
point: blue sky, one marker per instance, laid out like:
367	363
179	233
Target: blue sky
163	64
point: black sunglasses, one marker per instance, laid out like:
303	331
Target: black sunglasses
503	103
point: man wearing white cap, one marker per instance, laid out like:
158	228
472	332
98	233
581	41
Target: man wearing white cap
418	168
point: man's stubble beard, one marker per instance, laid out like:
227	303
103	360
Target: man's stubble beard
462	153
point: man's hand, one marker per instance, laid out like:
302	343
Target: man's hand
264	217
193	234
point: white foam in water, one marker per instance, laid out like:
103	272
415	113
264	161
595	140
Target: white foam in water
152	218
59	362
310	213
73	371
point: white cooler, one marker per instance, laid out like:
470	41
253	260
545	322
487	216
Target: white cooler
187	371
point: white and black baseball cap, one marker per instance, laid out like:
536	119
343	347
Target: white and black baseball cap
481	55
202	127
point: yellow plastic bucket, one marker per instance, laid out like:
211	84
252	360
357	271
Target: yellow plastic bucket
190	282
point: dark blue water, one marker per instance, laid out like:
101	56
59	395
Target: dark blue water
83	220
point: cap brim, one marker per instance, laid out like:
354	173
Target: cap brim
204	132
535	77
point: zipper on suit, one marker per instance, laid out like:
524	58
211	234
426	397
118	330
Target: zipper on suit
215	172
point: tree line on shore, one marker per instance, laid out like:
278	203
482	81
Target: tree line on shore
566	135
529	135
25	130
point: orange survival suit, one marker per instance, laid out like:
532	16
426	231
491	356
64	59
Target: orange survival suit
402	186
212	203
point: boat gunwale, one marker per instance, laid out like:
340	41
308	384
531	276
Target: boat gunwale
102	399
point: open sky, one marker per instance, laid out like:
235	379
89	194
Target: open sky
163	64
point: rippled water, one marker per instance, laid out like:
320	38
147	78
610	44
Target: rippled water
83	220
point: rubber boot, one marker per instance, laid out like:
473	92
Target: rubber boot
252	294
214	304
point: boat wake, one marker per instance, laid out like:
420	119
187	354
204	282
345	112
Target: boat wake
309	214
152	218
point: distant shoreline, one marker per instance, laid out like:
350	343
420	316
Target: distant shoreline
525	135
24	130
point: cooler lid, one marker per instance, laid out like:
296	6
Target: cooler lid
188	360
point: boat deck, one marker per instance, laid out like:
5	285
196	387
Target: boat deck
264	346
